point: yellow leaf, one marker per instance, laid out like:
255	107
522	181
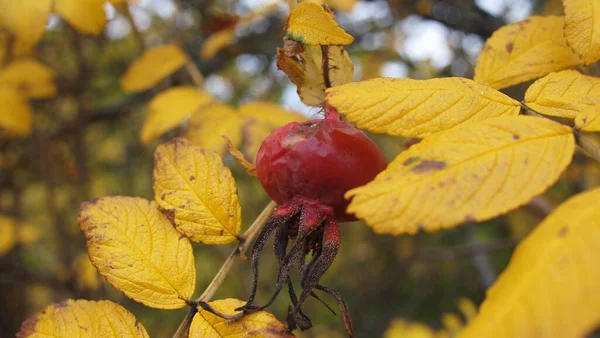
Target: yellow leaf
216	42
256	324
26	20
467	308
86	276
154	65
192	185
168	109
83	318
305	70
28	234
400	328
342	5
313	24
589	120
87	16
207	126
582	28
452	323
563	94
524	51
270	113
8	229
417	108
137	250
31	77
557	266
15	114
469	173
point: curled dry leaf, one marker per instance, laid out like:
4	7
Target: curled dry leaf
26	20
87	16
582	28
32	78
469	173
154	65
314	24
170	108
239	156
306	70
417	108
524	51
207	126
135	247
197	191
83	318
15	113
257	324
563	94
556	264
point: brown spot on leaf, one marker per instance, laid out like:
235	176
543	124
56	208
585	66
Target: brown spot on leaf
411	142
271	330
509	47
428	166
469	219
170	215
516	137
192	178
563	232
410	160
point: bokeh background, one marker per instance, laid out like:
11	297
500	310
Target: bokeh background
85	144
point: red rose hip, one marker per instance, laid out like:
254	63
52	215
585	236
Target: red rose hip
319	160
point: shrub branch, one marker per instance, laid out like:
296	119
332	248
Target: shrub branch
245	240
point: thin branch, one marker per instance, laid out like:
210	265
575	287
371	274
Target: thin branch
194	72
539	207
589	147
482	262
124	7
245	240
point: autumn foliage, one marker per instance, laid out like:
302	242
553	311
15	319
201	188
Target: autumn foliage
470	153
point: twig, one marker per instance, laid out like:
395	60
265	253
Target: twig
589	147
539	207
194	72
245	240
124	7
482	262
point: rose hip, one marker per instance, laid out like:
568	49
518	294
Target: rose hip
319	160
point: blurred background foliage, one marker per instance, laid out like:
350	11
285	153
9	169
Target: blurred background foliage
85	144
